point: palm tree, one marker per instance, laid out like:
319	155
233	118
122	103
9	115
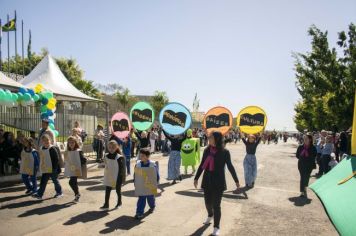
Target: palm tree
158	101
123	97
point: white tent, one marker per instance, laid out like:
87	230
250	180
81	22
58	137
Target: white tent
7	83
51	77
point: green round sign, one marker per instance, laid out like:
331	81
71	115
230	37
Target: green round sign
142	116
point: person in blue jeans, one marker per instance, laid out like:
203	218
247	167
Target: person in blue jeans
126	149
29	165
49	166
141	202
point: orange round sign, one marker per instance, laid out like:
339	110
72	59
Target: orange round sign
218	119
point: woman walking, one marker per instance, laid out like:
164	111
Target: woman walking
250	161
215	158
306	154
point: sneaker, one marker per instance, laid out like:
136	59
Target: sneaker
208	221
76	199
138	216
216	231
28	192
105	207
174	182
37	196
58	195
151	210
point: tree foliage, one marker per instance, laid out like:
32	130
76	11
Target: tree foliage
69	68
159	100
326	82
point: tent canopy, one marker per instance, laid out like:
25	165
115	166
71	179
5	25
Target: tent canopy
51	77
7	83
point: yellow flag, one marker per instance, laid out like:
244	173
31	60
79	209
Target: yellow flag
353	139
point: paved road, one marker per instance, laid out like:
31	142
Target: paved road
271	208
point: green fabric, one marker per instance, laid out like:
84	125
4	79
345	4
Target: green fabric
189	152
10	26
339	200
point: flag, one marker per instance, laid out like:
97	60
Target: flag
353	138
29	46
9	26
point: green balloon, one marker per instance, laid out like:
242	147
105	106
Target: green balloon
15	97
27	97
43	109
51	126
142	116
36	97
48	94
56	133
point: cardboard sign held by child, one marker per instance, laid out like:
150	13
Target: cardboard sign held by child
145	180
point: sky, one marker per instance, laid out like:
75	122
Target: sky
231	53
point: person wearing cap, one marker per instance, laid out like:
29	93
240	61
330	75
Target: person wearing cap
46	130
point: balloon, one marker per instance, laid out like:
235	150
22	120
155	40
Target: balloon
44	116
43	109
56	133
27	97
49	113
31	92
44	101
50	106
36	97
2	94
52	100
15	97
23	90
48	94
51	126
51	121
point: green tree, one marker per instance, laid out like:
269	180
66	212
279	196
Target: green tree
159	100
69	68
123	97
326	82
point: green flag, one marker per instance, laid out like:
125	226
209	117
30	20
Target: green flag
9	26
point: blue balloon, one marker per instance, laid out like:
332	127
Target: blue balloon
50	121
49	113
30	91
44	116
175	118
23	90
44	101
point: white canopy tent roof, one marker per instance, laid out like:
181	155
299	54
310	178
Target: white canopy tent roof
51	77
7	83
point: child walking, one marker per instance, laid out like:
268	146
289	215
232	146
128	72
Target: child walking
29	165
114	173
141	202
49	166
250	162
73	161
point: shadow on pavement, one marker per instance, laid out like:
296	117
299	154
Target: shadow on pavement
87	217
9	198
123	223
13	189
46	209
100	187
23	204
88	183
200	231
300	201
194	193
96	177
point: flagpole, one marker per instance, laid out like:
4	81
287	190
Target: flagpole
0	45
23	57
15	47
8	47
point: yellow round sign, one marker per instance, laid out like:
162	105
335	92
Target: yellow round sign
252	120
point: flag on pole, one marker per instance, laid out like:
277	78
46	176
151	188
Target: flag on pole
353	138
9	26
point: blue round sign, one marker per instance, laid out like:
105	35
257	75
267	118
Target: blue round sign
175	118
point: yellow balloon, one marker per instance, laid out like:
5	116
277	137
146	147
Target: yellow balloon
52	100
51	106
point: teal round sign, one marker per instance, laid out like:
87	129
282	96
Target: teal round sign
142	116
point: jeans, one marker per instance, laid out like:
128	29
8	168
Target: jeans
30	181
128	164
141	203
73	183
212	199
44	180
250	169
100	150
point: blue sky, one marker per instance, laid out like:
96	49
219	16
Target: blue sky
232	53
